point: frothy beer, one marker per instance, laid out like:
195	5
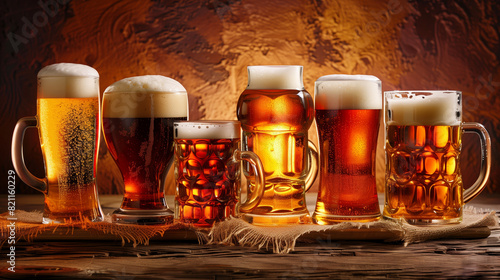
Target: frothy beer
138	117
68	116
276	112
347	117
423	145
207	178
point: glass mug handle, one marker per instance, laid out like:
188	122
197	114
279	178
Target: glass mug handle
18	155
484	137
312	157
254	196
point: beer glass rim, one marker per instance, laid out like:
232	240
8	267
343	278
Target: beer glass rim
275	66
227	129
348	77
419	92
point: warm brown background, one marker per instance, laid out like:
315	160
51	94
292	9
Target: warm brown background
206	45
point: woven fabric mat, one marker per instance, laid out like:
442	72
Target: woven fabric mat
235	231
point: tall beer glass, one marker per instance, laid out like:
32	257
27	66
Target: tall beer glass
276	112
138	118
68	126
347	116
423	154
207	172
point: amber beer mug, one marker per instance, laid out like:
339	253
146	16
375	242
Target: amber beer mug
423	154
348	111
138	118
68	126
276	112
208	172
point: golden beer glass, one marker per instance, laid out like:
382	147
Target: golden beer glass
68	126
423	133
348	109
208	172
276	113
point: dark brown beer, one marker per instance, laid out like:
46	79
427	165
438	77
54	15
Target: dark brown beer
138	118
208	180
348	141
423	175
142	149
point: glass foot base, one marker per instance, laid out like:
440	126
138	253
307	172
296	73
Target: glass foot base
276	219
325	219
73	218
143	217
426	222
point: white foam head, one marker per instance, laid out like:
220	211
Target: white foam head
207	130
348	92
423	108
68	80
150	96
275	77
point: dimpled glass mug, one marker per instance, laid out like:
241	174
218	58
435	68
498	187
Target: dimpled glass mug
423	153
208	172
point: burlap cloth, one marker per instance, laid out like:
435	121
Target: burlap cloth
237	232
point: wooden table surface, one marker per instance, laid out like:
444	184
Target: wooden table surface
322	259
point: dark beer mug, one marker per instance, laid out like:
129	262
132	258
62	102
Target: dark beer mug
138	118
208	172
347	116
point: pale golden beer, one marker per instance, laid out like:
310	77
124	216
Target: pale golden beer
423	154
347	117
138	116
276	112
68	127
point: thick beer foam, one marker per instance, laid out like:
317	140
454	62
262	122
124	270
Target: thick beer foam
440	108
150	96
348	92
275	77
68	80
207	130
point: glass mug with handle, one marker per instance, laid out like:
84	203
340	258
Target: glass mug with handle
348	109
68	126
138	115
276	113
423	153
208	172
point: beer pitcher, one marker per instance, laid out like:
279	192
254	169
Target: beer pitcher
276	112
68	126
208	172
423	153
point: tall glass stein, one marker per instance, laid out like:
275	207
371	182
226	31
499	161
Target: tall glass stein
68	126
347	116
276	112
